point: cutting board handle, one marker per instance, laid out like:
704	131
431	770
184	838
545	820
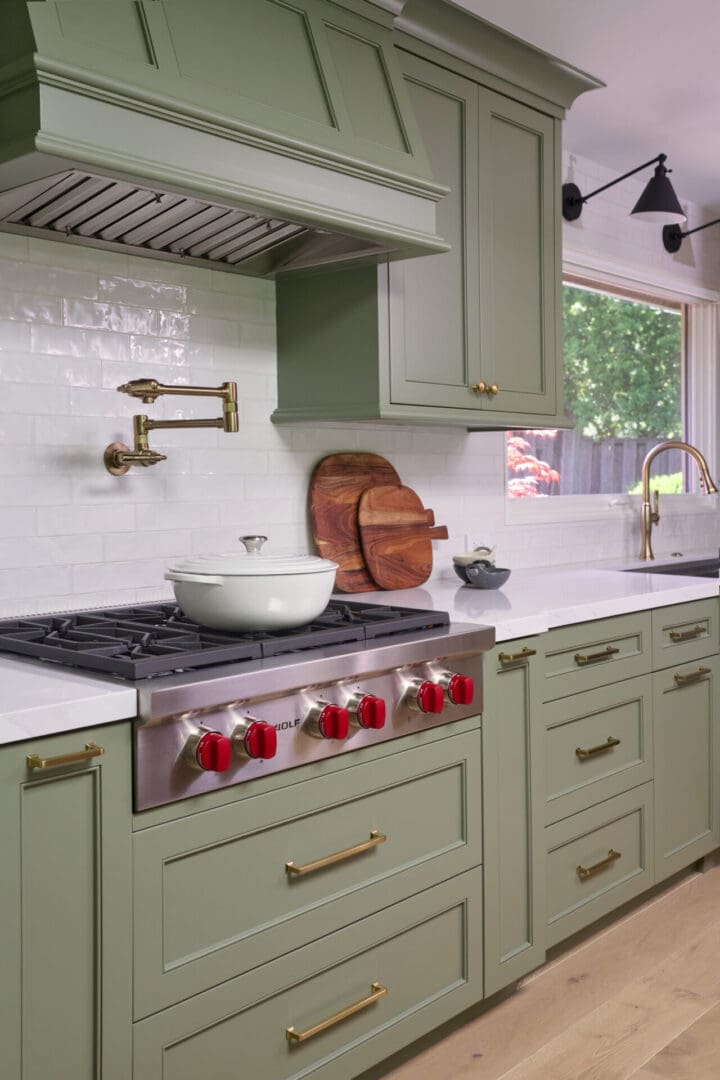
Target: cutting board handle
438	532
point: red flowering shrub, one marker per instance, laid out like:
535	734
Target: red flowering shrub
531	476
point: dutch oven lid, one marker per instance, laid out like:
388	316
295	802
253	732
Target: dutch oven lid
252	562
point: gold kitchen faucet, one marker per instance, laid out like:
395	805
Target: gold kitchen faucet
119	458
650	514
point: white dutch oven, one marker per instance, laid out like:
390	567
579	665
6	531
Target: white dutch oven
252	591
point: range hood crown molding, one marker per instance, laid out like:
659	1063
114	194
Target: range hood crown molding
328	162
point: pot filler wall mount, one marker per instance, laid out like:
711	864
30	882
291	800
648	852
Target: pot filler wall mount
119	458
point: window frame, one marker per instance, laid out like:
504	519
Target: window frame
701	328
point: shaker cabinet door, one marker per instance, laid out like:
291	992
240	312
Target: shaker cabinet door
434	311
519	257
65	907
687	764
513	798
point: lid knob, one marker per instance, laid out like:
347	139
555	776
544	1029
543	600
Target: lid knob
253	543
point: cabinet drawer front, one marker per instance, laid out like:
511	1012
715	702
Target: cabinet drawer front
230	865
598	744
585	877
684	632
426	952
594	654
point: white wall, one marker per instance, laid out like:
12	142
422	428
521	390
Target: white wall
76	322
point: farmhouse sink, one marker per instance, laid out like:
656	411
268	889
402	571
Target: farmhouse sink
708	568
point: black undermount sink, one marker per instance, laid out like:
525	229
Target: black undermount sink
708	568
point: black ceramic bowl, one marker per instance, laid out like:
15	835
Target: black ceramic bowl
482	574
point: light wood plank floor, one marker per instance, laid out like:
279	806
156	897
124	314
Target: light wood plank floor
639	999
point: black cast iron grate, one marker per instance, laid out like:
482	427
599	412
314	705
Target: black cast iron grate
156	639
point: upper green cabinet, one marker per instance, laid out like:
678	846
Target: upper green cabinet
468	337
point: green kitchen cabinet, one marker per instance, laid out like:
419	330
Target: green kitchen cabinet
513	813
65	899
686	712
470	337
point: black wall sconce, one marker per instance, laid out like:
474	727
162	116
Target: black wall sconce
658	203
673	235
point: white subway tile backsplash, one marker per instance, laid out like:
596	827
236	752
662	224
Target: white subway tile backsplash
116	317
66	520
14	398
67	341
14	335
16	431
60	370
30	307
73	536
154	294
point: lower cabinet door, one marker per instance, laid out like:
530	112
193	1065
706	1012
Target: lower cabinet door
513	805
686	704
597	860
66	907
333	1008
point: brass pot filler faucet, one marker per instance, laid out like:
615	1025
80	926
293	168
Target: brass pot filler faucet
650	514
119	458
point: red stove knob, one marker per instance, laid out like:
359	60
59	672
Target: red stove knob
213	752
461	689
260	740
370	712
333	722
430	697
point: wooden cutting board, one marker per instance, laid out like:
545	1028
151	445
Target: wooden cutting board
335	489
396	534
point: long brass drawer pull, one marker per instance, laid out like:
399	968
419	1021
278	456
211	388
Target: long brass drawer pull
687	635
601	749
515	658
337	856
584	872
34	761
692	676
376	992
593	658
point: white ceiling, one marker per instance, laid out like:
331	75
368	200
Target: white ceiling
659	59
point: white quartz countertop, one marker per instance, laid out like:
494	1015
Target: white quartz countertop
533	601
41	699
38	699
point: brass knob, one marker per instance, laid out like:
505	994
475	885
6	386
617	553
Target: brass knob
491	389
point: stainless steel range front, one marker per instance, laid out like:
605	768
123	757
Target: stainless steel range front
361	674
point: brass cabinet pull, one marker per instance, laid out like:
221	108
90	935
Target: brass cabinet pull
490	389
376	992
584	872
593	658
337	856
692	676
34	761
514	658
686	635
601	749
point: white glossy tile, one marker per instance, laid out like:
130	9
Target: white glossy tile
87	314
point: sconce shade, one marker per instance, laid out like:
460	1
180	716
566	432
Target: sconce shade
658	203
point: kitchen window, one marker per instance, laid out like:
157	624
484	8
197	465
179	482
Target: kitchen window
640	368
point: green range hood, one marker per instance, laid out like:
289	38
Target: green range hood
254	136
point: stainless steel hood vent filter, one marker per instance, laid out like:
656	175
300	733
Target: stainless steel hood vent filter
257	137
99	210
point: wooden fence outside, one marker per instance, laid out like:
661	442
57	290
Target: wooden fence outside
609	467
